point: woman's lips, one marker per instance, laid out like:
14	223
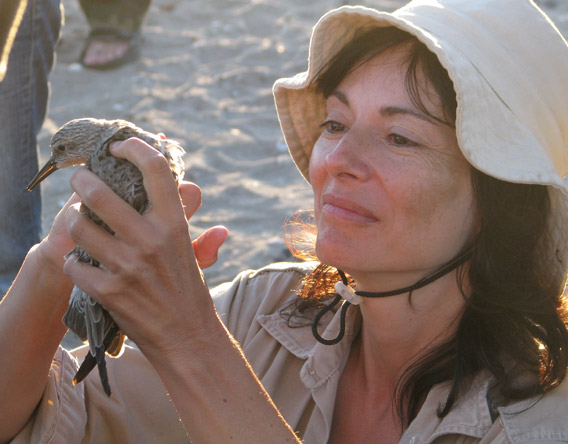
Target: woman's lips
347	210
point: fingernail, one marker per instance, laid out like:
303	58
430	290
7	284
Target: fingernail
114	145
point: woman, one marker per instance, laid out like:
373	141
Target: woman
457	270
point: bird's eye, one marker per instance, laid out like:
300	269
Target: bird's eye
60	148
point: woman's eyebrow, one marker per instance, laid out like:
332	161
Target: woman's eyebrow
388	111
340	96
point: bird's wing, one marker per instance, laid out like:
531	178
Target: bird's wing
89	320
74	317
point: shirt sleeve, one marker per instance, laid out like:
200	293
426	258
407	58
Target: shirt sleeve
139	409
60	417
253	293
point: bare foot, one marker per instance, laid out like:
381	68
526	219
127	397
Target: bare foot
100	52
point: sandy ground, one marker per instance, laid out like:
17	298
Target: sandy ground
205	79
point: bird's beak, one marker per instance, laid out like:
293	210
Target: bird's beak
47	169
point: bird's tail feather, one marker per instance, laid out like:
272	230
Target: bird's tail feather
101	364
89	363
113	343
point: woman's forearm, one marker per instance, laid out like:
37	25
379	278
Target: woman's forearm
218	396
30	331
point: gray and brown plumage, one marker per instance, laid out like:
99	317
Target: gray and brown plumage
87	141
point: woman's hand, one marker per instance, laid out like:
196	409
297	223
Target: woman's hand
151	283
150	280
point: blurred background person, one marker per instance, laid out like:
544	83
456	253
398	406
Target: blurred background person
28	57
114	38
24	94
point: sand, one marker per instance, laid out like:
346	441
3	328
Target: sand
205	79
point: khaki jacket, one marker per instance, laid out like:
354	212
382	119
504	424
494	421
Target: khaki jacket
300	374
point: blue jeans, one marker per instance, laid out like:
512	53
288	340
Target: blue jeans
23	102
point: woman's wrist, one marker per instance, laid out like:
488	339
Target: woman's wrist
47	257
42	274
202	338
209	380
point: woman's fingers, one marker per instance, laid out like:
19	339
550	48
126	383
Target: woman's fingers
206	246
190	195
160	185
100	199
100	244
161	188
148	242
84	276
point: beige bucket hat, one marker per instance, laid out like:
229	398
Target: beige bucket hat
509	66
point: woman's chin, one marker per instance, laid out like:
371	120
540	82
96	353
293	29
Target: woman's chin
336	253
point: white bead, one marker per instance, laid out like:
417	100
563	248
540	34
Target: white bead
347	293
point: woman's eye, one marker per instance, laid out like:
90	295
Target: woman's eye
399	140
331	126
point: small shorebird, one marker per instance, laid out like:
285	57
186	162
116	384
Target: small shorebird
87	141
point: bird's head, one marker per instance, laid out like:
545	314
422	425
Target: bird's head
73	144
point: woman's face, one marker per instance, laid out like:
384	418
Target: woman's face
393	195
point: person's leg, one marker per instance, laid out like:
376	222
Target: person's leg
114	37
23	103
127	15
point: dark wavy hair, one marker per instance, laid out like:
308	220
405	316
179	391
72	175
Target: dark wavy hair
515	317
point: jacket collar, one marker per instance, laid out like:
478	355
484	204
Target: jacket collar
322	361
470	416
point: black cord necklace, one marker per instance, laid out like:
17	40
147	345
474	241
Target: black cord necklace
352	297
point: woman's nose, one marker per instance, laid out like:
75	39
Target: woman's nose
347	158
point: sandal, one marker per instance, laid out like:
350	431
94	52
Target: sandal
105	34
